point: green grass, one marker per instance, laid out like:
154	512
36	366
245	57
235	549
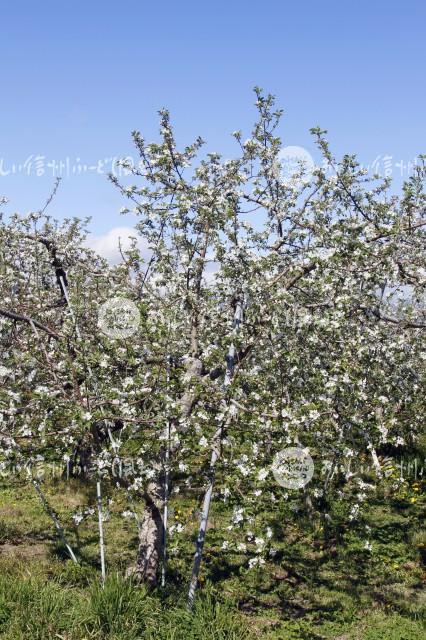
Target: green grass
31	608
318	586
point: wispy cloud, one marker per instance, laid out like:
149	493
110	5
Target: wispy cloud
107	245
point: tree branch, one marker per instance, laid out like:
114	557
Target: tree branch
22	318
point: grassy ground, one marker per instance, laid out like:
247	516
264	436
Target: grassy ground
316	588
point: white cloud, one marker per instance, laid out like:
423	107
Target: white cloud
107	245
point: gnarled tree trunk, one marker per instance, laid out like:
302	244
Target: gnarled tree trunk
151	530
151	536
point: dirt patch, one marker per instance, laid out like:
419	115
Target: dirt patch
23	551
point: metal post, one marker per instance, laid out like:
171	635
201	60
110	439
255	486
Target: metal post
101	529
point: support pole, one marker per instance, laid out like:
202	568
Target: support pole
101	529
166	492
54	517
214	457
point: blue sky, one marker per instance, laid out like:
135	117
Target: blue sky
77	77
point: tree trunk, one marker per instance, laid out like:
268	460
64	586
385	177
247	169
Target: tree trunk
151	536
151	530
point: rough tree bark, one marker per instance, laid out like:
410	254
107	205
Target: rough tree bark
150	537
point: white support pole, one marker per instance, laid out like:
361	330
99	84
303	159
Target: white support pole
36	484
203	525
52	514
101	529
98	483
166	506
77	330
214	457
166	491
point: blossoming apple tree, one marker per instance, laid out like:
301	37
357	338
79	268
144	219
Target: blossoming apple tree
274	311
